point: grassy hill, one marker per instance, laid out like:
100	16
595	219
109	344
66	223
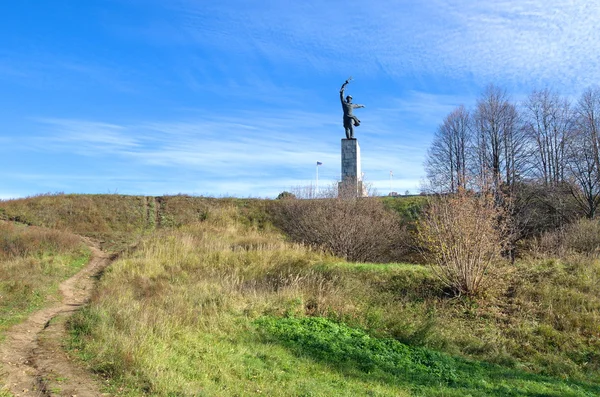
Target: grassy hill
213	300
118	220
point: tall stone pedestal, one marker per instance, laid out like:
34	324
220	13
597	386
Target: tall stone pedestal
351	184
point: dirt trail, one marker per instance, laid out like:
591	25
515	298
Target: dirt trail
32	360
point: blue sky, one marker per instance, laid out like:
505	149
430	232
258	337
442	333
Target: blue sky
240	97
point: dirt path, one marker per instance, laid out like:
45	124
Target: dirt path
32	359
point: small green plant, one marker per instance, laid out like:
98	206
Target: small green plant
5	393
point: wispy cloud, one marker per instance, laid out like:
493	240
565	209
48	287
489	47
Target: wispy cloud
244	150
212	97
531	41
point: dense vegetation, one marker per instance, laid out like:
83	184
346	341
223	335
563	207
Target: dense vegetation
213	300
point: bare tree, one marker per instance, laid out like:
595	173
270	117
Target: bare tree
446	163
584	157
500	144
588	119
548	123
583	152
585	186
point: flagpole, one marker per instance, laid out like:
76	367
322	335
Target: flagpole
317	189
317	192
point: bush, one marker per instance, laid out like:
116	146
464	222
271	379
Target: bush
462	235
357	229
285	195
582	236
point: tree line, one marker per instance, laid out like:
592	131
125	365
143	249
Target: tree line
543	150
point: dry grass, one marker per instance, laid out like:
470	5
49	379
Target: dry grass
33	261
119	221
191	290
579	237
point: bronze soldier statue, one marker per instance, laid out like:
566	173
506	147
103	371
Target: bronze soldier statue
350	120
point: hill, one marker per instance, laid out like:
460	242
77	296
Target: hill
213	300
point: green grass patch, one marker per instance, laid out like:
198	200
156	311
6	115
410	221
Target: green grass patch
409	207
232	360
422	371
375	267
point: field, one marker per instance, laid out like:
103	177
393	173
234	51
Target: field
208	298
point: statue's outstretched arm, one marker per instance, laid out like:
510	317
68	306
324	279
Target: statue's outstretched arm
343	87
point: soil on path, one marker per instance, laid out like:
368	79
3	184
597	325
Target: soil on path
32	358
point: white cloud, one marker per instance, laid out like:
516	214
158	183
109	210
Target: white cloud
236	155
521	42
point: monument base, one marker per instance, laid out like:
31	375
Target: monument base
351	184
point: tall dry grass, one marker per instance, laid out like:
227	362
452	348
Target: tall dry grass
579	237
118	221
33	261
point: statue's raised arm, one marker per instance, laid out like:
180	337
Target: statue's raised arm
343	88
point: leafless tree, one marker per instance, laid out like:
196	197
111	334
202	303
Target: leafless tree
588	119
447	158
548	122
585	186
584	158
500	144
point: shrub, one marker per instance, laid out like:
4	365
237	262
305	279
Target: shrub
582	236
285	195
357	229
462	235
